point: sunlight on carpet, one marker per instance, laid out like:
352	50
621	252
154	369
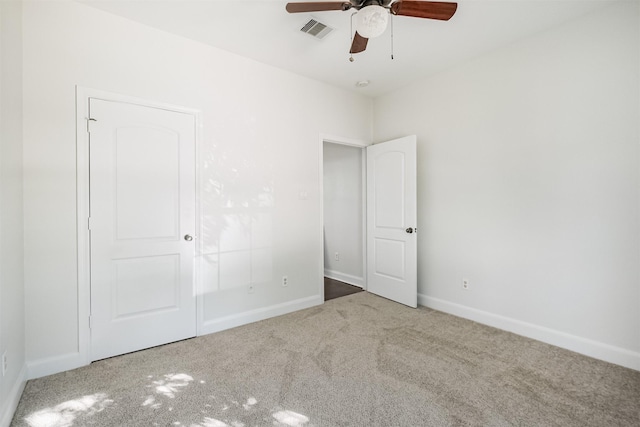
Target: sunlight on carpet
66	413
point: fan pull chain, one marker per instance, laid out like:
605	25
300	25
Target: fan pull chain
391	21
352	36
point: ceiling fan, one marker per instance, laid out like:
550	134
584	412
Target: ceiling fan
372	16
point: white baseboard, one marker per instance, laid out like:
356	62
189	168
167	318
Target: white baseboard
8	407
65	362
251	316
346	278
595	349
53	365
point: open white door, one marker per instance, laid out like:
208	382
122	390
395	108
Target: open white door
391	220
142	222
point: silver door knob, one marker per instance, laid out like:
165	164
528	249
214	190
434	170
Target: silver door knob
409	230
188	237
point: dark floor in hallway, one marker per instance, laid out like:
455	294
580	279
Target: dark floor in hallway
335	289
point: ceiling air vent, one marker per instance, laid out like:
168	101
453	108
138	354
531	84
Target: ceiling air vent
316	29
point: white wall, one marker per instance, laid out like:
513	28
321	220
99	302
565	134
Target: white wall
259	164
12	339
528	180
343	214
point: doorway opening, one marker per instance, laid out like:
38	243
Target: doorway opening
343	181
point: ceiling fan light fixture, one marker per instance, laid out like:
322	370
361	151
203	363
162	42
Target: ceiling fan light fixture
371	21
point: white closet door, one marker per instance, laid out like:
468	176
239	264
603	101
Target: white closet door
142	223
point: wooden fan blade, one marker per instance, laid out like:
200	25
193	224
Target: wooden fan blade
359	44
424	9
318	6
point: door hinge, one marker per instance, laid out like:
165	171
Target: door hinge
89	120
89	223
90	322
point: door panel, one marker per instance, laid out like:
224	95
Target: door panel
146	285
390	259
389	176
142	203
147	186
391	210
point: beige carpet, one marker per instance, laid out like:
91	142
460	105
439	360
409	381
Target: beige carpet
359	360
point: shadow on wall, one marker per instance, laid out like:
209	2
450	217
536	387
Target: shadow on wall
98	409
237	196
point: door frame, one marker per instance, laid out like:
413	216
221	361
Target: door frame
362	145
83	94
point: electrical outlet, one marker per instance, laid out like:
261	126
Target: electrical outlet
465	284
251	288
336	256
4	364
285	281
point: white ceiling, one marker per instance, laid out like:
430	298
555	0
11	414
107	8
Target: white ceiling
264	31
